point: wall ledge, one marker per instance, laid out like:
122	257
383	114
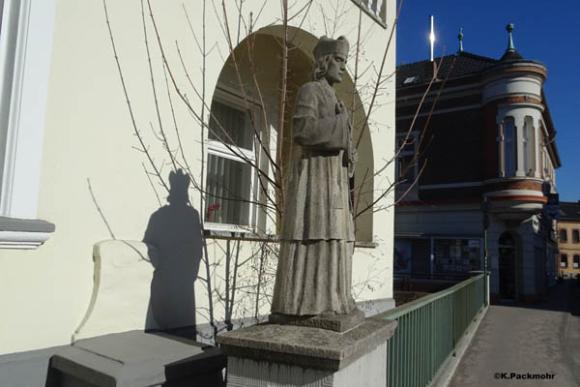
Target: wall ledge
24	234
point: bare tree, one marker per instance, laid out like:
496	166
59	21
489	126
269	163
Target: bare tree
225	287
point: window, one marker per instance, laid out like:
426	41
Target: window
509	146
457	255
564	261
576	263
529	149
575	236
230	188
543	162
376	9
563	235
25	53
406	169
410	80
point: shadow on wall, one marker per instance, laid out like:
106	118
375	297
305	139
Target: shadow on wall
174	231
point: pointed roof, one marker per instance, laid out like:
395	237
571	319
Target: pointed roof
511	53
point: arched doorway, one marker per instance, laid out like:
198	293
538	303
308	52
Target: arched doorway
507	266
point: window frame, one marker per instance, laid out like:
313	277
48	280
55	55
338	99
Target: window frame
379	14
563	231
231	98
564	261
455	261
529	146
25	54
575	236
505	147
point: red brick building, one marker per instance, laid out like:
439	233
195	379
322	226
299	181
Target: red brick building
476	167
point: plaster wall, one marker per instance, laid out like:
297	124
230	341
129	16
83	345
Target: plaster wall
92	173
529	267
526	85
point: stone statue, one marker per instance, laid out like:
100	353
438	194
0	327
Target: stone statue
315	265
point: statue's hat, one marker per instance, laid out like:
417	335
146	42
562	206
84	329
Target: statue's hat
328	45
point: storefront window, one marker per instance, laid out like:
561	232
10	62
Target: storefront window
403	253
457	255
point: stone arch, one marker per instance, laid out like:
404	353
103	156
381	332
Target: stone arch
258	59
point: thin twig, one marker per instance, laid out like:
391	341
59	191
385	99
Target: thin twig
126	93
99	210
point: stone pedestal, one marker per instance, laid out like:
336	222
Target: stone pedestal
285	355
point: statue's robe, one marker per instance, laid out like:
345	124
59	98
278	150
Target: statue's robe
314	269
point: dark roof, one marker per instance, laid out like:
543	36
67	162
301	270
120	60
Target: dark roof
569	211
452	66
511	55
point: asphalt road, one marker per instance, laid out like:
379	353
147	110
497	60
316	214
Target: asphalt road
515	343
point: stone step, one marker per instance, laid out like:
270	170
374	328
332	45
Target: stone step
136	359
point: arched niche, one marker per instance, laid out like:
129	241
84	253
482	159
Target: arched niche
254	70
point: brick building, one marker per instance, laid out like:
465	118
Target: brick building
476	167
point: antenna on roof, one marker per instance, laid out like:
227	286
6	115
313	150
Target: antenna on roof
432	41
432	37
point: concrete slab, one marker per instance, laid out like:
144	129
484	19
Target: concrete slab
133	359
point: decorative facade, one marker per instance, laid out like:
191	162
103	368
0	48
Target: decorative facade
476	169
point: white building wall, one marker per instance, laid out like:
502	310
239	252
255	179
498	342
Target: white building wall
90	167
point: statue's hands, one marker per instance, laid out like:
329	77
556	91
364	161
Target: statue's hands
340	108
352	159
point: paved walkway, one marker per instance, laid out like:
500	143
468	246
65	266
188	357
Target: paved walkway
542	339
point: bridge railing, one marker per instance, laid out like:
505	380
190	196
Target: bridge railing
429	330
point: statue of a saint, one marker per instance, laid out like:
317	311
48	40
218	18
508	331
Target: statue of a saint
314	269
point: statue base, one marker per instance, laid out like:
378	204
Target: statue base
289	355
331	321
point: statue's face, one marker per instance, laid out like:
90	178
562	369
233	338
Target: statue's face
336	67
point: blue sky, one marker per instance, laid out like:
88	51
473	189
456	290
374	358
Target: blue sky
547	31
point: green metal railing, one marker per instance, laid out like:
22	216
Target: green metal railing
428	331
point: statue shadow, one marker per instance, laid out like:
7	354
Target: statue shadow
175	249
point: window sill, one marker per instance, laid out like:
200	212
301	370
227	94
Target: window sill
24	234
252	237
223	229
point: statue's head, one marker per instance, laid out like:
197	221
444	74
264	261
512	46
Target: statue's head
330	58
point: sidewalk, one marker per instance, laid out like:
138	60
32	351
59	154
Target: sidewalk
541	339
